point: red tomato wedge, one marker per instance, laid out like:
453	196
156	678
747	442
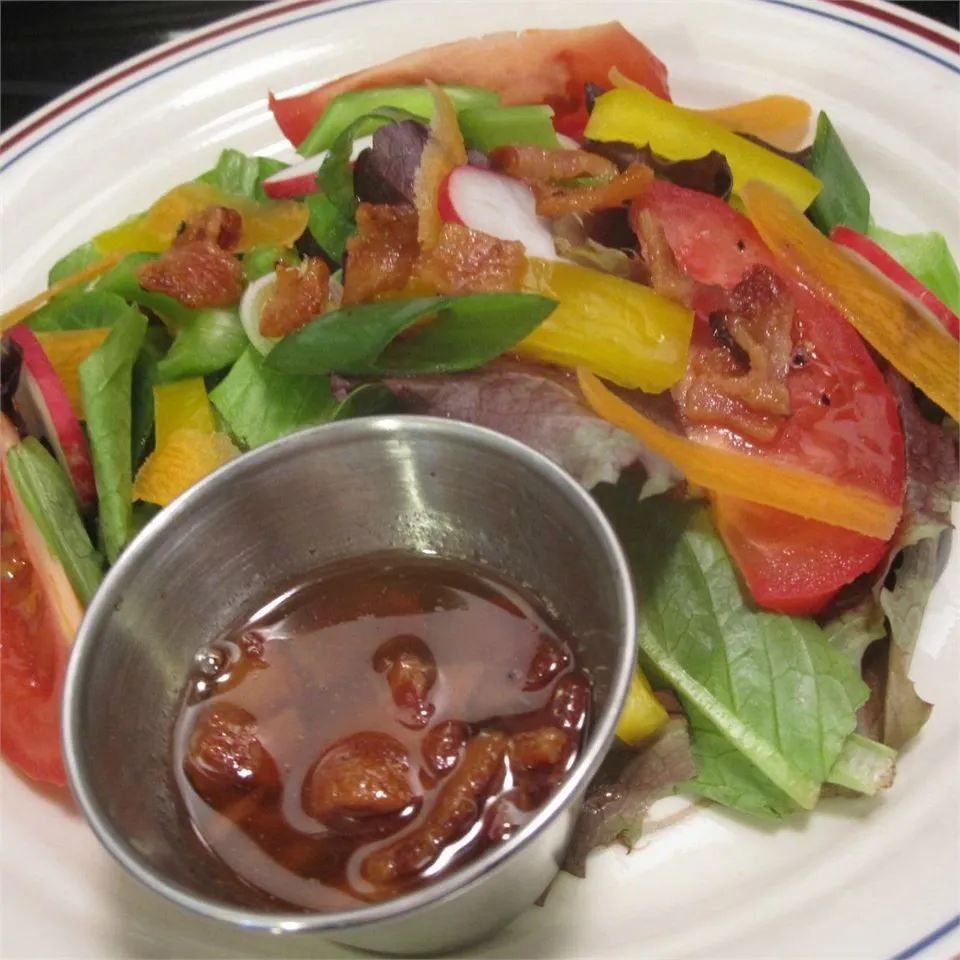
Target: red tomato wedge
535	66
880	260
40	616
844	420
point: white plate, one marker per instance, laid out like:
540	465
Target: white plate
863	878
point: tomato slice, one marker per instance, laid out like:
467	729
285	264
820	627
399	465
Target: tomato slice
844	420
40	615
535	66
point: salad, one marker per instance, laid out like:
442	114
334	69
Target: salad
692	311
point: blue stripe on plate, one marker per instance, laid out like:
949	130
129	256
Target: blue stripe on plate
928	941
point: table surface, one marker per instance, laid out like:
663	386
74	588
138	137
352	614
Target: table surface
48	47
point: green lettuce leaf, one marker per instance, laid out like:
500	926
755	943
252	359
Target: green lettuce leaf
328	226
209	342
904	712
106	385
83	256
844	198
259	404
927	257
415	102
242	175
853	630
49	497
156	342
864	766
770	701
364	340
79	310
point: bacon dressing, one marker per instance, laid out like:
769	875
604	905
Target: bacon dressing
375	726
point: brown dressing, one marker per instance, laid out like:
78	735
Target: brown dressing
375	726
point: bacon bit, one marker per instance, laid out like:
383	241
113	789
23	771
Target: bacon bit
666	277
543	747
382	253
219	225
299	294
444	150
534	163
737	377
458	806
754	333
464	261
197	274
365	775
556	200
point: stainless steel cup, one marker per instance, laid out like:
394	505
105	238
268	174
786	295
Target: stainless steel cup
333	492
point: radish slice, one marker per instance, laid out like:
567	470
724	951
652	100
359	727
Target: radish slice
876	257
498	206
45	407
300	179
251	308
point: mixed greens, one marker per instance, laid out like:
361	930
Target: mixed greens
459	251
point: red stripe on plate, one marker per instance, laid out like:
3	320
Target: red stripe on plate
888	16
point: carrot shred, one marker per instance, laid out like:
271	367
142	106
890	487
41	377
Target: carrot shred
13	317
749	477
902	331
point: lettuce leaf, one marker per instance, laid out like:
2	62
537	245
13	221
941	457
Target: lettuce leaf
48	495
541	407
770	701
364	340
864	766
259	404
79	311
844	198
927	257
208	343
155	345
627	784
106	385
82	256
242	175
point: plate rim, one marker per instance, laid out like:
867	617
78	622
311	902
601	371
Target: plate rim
880	18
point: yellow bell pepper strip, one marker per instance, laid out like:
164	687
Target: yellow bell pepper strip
620	330
188	446
66	350
275	223
750	477
444	150
779	119
898	328
183	405
185	459
639	117
643	714
12	317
